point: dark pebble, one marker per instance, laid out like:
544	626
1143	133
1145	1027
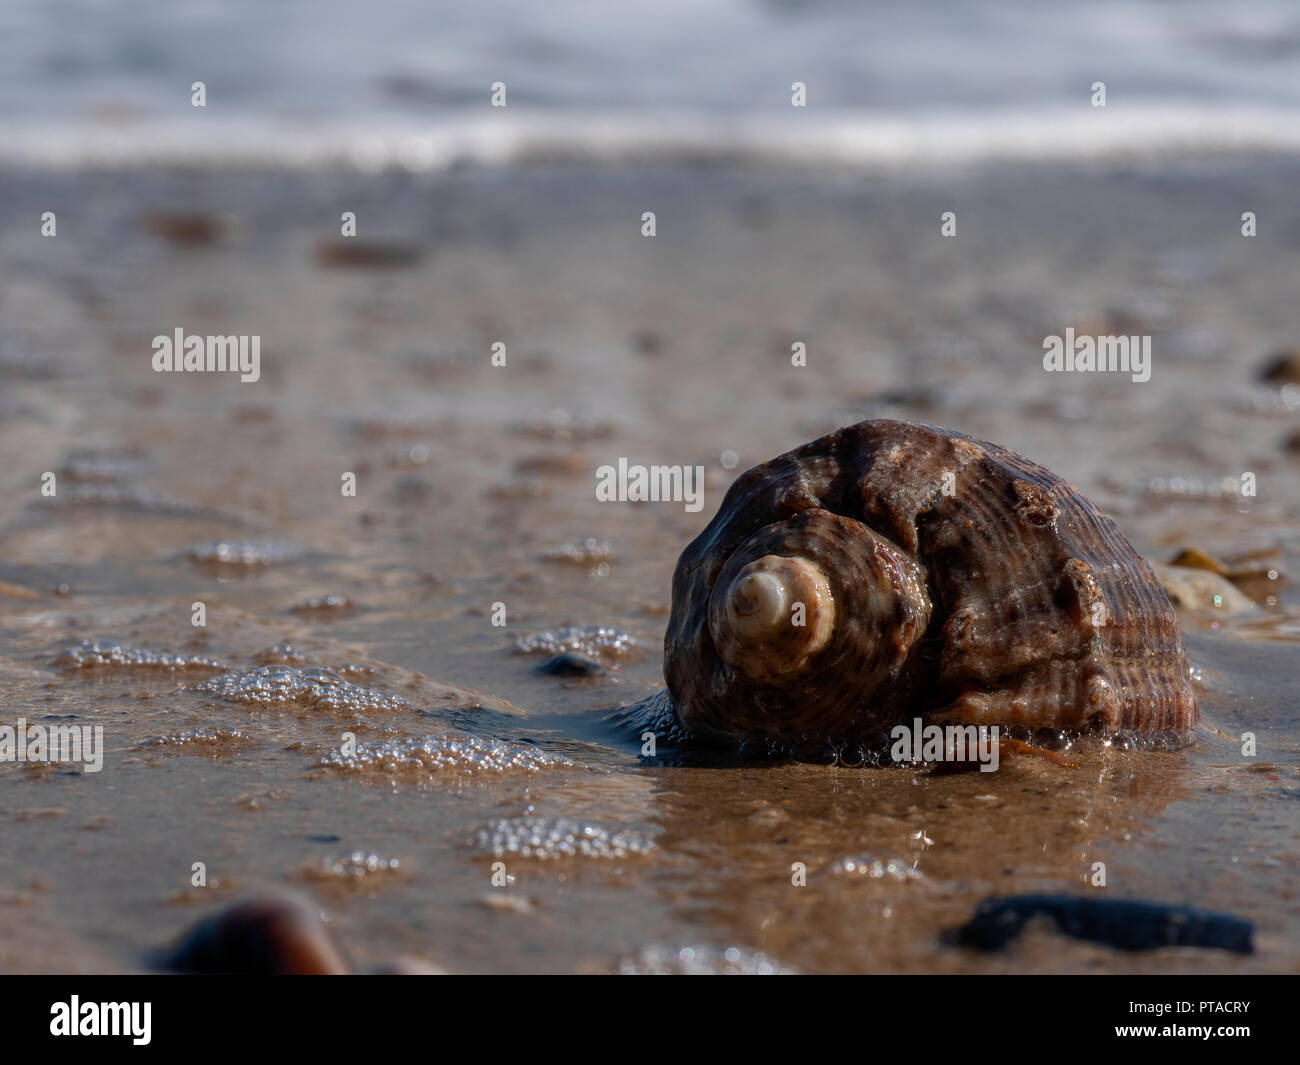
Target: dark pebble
1119	923
275	935
189	228
1283	368
569	664
348	252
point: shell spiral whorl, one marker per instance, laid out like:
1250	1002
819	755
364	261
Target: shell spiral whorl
892	570
750	617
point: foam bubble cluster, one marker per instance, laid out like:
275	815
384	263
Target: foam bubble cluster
459	753
280	654
356	866
591	640
323	604
700	961
580	553
245	552
537	837
313	688
211	741
865	867
109	654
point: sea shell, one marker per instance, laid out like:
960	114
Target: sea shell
891	570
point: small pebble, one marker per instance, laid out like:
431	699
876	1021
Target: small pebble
348	252
185	228
1283	368
569	664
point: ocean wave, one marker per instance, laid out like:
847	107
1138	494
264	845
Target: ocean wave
844	139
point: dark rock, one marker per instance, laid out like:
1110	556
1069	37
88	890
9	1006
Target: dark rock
1120	923
569	664
185	228
348	252
273	935
1283	368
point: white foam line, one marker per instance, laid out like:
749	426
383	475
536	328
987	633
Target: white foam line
855	140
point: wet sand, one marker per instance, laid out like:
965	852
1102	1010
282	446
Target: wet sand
665	350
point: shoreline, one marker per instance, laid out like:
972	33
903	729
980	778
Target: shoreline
794	139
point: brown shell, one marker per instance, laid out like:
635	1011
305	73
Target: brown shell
996	595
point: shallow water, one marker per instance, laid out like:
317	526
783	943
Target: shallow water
225	743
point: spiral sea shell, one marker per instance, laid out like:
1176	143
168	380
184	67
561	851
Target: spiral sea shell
892	570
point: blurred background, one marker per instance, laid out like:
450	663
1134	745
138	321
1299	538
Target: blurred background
311	79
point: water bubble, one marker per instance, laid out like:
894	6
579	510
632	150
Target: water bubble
97	654
312	688
657	960
545	838
594	641
427	757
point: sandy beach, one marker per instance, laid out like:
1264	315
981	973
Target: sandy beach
475	485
